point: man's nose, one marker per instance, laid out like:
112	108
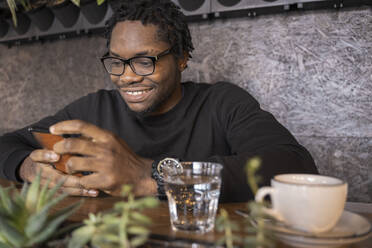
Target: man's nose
129	76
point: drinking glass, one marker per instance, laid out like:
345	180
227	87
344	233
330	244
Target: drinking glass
193	191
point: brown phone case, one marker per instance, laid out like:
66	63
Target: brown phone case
47	140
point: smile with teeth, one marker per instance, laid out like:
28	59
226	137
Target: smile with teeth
137	92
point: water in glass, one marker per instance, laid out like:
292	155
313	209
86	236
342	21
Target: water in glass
193	201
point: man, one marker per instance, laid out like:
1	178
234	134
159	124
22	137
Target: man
152	116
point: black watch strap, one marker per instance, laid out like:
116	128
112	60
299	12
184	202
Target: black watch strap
157	174
159	180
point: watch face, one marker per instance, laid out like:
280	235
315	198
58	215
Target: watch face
168	162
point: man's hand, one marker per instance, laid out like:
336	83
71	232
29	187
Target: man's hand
110	159
40	161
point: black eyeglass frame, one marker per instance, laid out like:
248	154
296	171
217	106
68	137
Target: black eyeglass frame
129	62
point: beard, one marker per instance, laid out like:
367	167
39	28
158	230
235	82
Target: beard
161	99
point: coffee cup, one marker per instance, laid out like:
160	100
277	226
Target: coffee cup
311	203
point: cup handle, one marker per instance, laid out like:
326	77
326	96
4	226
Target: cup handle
261	193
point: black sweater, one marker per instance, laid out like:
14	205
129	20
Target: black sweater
219	122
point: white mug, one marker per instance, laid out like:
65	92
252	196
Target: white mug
312	203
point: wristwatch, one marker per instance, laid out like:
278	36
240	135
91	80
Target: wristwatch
157	173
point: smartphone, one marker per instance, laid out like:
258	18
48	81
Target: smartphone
47	141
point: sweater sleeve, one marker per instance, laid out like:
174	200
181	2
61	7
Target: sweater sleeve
16	146
253	132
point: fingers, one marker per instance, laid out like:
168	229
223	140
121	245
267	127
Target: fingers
96	180
78	164
42	155
71	184
101	179
30	170
48	175
79	191
78	146
80	127
55	176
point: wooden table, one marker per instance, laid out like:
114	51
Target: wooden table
161	231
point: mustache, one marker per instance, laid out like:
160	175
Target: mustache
123	85
132	86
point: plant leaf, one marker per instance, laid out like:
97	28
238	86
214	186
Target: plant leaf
35	223
108	238
3	245
14	237
111	220
50	228
19	212
66	229
126	189
250	229
50	193
81	236
138	240
5	202
72	208
149	202
33	193
140	218
120	206
25	190
250	240
13	7
42	196
137	230
99	2
76	2
51	203
221	241
220	228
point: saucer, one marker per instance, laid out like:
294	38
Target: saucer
349	229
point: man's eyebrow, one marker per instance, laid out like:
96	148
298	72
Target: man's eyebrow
137	54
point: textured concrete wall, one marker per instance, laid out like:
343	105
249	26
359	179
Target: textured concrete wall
312	70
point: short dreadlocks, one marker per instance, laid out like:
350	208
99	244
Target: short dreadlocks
172	27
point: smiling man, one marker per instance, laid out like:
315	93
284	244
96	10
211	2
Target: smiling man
152	117
143	89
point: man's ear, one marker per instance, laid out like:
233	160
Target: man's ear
182	62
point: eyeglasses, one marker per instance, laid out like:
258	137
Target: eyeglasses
141	65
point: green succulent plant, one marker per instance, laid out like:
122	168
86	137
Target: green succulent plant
124	226
26	4
13	8
255	235
25	218
77	2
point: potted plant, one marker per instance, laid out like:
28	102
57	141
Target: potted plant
254	232
13	8
25	218
66	11
40	15
93	10
22	24
124	226
4	26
